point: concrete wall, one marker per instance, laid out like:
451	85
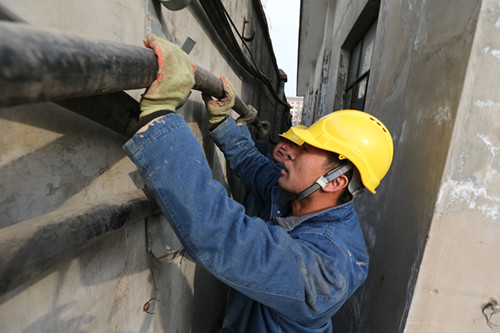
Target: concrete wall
461	252
417	82
420	61
52	158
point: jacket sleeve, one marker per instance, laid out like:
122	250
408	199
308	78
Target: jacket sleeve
256	171
290	275
261	146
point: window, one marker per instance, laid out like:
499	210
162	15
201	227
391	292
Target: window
359	71
355	60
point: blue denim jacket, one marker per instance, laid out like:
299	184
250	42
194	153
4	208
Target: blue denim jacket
287	281
255	203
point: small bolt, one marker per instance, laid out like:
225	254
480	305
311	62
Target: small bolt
147	305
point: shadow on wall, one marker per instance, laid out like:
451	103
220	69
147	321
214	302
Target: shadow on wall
108	283
59	312
97	285
55	153
209	302
60	155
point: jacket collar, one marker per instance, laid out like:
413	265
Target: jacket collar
291	222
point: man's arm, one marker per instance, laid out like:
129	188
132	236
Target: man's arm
295	276
263	262
256	172
237	145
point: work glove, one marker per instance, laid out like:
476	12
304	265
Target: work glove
249	118
174	80
218	109
262	130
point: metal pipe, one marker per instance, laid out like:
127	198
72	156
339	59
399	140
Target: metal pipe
40	64
212	85
30	247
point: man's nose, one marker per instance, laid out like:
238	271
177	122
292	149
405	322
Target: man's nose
291	152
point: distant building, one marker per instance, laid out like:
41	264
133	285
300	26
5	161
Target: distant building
297	104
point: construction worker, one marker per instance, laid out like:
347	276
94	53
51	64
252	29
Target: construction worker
288	141
254	204
287	275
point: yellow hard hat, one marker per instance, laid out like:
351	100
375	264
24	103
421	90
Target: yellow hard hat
357	136
292	137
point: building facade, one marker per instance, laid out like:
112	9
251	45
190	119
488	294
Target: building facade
297	104
429	71
83	250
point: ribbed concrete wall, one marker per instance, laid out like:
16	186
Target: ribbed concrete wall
52	158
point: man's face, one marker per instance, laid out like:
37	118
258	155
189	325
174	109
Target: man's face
303	167
283	149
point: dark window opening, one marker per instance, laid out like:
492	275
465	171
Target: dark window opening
359	71
355	60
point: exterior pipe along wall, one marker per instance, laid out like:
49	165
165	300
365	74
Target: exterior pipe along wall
43	64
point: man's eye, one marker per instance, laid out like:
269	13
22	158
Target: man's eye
304	148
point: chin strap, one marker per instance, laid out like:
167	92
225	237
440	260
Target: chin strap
325	179
355	186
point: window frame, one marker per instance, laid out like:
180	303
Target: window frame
367	20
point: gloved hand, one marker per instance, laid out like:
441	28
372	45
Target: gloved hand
262	130
217	109
248	119
174	80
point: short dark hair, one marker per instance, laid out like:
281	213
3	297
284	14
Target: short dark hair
335	161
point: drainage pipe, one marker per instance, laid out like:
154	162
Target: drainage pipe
40	64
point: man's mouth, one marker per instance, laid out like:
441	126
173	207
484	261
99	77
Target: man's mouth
284	171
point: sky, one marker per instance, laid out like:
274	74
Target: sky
283	20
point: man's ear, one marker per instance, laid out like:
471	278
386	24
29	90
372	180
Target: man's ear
338	184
